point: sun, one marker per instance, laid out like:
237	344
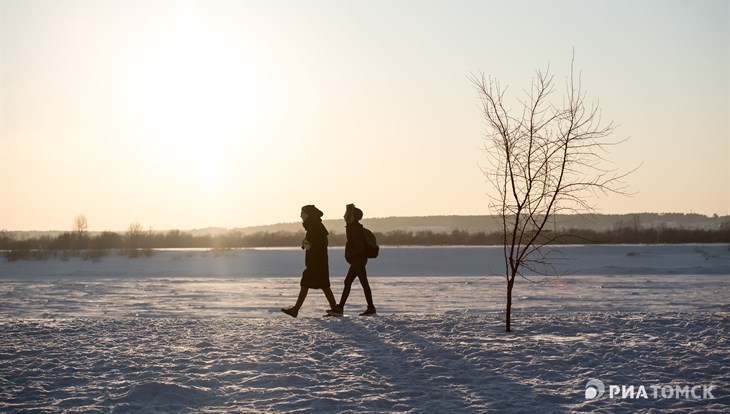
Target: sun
196	96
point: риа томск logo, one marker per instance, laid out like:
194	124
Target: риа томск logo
596	389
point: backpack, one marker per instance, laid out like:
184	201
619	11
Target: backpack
371	245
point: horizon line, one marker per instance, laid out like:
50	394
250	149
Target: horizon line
150	228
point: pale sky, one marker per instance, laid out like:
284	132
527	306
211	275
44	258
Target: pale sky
189	114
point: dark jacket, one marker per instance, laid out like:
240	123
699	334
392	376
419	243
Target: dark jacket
316	275
355	246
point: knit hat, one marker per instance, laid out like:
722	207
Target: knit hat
357	213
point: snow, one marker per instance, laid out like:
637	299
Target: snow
200	331
393	261
391	363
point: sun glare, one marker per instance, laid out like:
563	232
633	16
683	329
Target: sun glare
195	97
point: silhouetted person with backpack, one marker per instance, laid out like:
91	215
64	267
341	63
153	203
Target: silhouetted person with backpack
356	254
316	274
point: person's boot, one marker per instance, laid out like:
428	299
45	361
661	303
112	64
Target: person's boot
370	311
293	311
336	311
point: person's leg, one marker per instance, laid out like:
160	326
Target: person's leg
302	295
294	310
330	297
363	276
351	275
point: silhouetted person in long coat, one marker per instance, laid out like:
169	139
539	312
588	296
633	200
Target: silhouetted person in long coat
316	274
357	258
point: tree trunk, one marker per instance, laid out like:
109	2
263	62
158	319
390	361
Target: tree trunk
510	284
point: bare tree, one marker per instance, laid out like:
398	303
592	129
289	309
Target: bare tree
134	234
81	225
137	236
543	160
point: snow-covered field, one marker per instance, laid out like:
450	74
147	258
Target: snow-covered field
186	331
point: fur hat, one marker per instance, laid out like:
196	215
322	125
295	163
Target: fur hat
312	211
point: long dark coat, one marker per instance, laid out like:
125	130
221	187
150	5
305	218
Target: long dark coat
316	275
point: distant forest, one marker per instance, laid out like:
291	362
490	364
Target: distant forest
136	241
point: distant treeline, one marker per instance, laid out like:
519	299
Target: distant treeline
139	242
